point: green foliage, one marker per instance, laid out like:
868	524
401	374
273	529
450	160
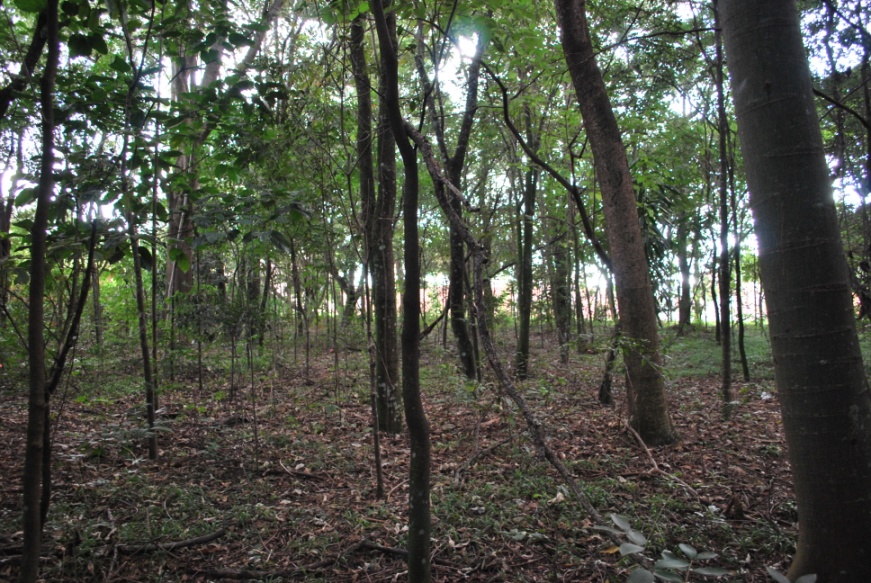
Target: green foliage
670	567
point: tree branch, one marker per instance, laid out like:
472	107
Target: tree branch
31	58
862	119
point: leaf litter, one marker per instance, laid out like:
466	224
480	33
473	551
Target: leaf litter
278	485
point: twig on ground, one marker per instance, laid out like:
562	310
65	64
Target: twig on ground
656	467
199	540
299	474
477	455
395	488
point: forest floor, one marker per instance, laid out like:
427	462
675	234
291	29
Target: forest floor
282	477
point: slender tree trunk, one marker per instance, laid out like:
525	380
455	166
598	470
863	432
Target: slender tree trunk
685	302
98	309
419	519
143	337
458	291
387	372
714	301
524	265
725	256
37	406
648	410
577	257
821	380
561	294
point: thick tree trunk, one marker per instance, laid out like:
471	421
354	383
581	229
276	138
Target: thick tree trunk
648	410
419	519
820	377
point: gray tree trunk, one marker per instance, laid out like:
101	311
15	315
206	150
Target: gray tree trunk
648	410
820	377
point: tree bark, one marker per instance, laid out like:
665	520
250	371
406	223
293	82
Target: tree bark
524	252
560	286
685	303
725	256
819	372
379	207
37	407
31	59
419	519
648	410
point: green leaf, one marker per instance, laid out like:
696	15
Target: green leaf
239	40
621	521
145	259
184	263
811	578
630	549
329	15
670	561
688	550
640	576
710	571
79	45
706	555
26	196
120	65
280	241
777	575
30	5
69	8
98	44
669	576
180	258
636	537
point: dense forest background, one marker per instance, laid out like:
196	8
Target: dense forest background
283	277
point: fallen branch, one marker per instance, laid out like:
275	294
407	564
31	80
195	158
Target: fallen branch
299	474
477	455
656	467
401	553
199	540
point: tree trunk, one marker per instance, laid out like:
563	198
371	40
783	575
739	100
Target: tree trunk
648	410
725	256
419	519
37	405
560	286
819	372
524	265
382	266
685	302
143	338
457	289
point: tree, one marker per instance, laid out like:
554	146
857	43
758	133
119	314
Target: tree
648	410
419	519
819	372
37	409
455	164
377	209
